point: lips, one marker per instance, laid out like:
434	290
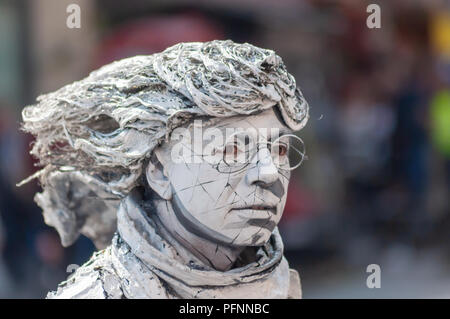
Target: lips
258	207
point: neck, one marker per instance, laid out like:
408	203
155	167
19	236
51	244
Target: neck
210	253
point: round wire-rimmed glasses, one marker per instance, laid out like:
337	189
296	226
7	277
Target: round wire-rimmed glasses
239	150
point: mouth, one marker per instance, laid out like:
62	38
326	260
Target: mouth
261	208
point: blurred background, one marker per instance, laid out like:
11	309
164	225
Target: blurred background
376	186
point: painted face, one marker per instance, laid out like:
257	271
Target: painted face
231	183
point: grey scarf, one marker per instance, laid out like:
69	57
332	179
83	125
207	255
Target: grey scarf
139	248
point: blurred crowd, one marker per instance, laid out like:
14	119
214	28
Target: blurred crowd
378	140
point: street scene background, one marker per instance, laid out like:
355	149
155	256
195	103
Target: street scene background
376	183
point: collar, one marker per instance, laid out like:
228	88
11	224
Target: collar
138	230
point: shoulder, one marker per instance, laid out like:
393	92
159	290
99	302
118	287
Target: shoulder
95	279
295	286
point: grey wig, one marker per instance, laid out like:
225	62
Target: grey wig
99	131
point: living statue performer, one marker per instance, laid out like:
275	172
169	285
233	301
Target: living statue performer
202	224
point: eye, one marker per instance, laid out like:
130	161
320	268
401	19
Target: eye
282	149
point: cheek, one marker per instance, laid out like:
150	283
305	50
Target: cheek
285	176
285	182
200	187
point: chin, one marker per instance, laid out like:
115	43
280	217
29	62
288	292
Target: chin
259	238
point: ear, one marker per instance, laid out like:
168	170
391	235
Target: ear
156	177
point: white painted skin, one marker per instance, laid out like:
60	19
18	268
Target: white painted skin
236	207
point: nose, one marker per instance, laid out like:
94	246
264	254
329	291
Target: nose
264	173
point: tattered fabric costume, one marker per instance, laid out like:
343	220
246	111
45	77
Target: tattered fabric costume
143	264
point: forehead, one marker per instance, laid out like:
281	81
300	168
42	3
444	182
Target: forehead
267	119
265	125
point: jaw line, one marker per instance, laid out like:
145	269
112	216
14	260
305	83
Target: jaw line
192	225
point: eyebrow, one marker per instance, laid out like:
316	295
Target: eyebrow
282	131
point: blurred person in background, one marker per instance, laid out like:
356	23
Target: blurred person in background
365	131
411	102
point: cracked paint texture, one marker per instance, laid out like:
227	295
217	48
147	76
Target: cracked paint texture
182	230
